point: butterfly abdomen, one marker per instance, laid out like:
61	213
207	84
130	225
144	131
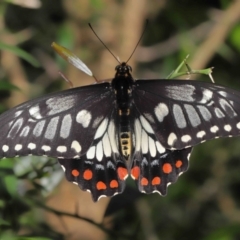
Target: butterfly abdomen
122	85
125	134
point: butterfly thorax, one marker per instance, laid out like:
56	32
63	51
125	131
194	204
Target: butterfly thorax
122	86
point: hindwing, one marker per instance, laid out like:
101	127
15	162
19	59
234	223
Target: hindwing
154	167
102	170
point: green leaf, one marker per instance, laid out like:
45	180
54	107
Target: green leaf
235	36
11	184
21	53
5	85
5	163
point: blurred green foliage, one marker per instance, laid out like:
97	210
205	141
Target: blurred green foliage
19	52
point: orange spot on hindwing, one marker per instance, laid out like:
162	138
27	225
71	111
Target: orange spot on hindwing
156	181
135	172
87	175
122	173
75	173
101	185
178	163
113	184
144	181
167	168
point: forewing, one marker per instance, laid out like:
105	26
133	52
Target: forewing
154	167
61	125
184	113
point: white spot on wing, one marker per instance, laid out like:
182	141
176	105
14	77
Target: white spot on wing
99	151
238	125
144	162
59	104
51	128
37	131
10	124
160	148
161	111
112	136
46	148
101	129
106	146
84	117
66	126
222	93
210	103
200	134
192	115
76	146
218	113
15	128
35	112
144	142
31	146
62	149
227	128
152	147
91	152
16	114
110	165
204	112
5	148
227	108
183	92
214	129
18	147
155	163
179	116
25	131
138	130
207	96
171	139
133	140
146	125
186	138
99	167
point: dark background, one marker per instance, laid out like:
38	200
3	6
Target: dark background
205	202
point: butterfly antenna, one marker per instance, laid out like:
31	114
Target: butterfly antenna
144	30
103	43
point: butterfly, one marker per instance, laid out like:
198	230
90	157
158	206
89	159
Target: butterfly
102	133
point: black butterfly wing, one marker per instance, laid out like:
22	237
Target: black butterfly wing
78	127
62	125
102	170
154	167
184	113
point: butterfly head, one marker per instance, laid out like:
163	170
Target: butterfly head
123	70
